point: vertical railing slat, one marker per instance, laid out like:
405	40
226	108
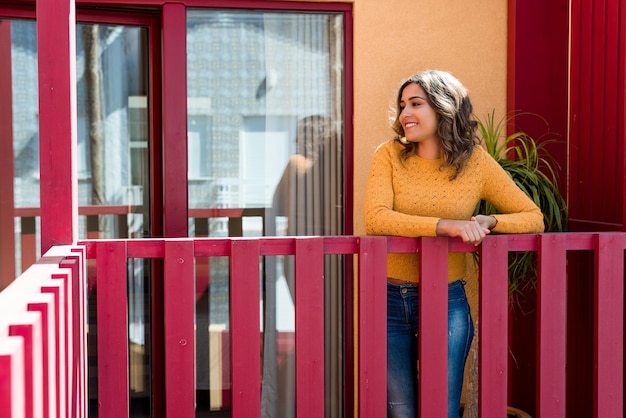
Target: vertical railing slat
80	320
493	329
44	304
309	307
609	326
244	328
55	288
179	303
372	330
67	352
12	402
28	326
433	327
112	324
551	325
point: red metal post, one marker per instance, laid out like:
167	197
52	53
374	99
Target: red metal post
372	330
551	325
112	328
7	174
433	332
244	328
174	64
56	49
309	306
492	335
179	330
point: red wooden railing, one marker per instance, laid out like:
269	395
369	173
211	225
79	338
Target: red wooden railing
178	259
43	344
28	221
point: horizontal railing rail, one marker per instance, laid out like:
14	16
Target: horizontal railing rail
43	344
91	214
369	253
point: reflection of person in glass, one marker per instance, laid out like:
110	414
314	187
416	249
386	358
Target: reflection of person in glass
304	193
309	196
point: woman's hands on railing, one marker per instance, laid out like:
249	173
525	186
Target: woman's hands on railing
471	232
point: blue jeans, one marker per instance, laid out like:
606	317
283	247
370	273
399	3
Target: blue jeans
402	355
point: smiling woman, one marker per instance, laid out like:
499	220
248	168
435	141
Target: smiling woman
427	182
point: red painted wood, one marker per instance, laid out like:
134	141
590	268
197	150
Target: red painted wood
309	311
85	210
7	224
80	300
244	328
551	326
155	101
575	157
55	288
609	326
433	327
67	349
44	305
348	112
112	302
372	329
226	381
174	91
78	334
621	106
28	327
179	330
492	324
597	97
244	4
537	61
12	402
56	51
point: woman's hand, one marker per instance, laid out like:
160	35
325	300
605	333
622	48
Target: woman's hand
471	232
487	222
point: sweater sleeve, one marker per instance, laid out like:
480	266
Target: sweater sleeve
379	214
516	212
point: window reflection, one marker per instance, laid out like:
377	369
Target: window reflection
113	174
261	85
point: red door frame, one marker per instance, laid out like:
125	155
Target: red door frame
7	228
59	210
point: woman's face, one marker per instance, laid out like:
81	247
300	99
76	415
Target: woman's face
417	116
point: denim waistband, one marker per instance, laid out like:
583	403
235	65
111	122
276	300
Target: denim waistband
455	289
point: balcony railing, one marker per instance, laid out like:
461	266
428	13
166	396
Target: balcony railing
23	352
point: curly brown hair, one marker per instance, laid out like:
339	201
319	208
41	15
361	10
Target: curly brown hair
456	127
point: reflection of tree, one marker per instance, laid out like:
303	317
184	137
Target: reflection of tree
93	88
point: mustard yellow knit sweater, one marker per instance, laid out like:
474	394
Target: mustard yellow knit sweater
407	198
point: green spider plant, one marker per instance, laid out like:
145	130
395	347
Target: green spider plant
533	169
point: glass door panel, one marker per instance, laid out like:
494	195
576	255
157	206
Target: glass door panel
265	157
113	130
114	178
19	156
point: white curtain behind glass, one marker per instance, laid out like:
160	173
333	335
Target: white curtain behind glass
304	67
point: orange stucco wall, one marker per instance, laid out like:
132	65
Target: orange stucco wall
394	39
